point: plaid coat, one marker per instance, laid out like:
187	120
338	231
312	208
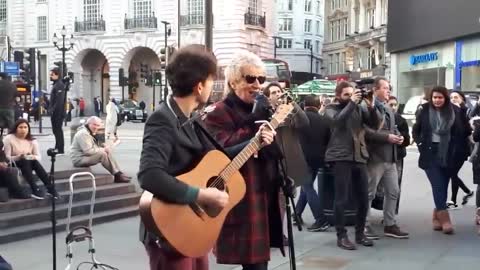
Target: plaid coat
254	225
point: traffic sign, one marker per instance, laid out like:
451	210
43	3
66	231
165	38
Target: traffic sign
11	68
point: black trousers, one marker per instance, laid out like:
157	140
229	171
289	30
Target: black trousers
8	178
457	183
58	133
478	196
28	167
349	173
257	266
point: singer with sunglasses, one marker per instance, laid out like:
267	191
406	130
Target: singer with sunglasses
172	144
254	225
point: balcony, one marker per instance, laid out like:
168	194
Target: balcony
141	23
255	19
90	25
192	20
364	38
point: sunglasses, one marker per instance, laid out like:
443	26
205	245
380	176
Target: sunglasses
251	79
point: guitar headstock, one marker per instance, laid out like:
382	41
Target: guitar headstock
281	113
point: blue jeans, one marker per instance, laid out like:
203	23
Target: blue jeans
310	196
439	178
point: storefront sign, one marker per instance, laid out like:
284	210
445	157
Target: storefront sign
470	63
423	58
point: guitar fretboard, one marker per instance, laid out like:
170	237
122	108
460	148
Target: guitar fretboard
254	146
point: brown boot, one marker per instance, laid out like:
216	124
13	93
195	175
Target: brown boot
436	223
444	218
121	178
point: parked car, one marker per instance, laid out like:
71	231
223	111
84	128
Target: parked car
131	111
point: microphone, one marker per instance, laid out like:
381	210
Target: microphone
204	112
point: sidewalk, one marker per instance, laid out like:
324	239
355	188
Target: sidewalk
117	242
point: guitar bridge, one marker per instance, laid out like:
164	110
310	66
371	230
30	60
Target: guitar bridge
197	210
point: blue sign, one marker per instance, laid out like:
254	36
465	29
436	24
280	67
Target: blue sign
470	63
11	68
423	58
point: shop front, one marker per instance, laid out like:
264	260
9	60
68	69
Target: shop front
467	71
417	71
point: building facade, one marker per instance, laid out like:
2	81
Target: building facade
299	34
130	34
355	40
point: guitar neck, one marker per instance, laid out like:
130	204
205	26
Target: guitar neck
254	146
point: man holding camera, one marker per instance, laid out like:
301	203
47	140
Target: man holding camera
57	109
348	154
382	142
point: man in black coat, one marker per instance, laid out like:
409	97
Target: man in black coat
314	140
8	91
57	109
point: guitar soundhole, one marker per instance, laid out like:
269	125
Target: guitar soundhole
219	183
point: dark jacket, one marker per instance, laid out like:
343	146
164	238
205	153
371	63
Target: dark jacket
379	148
347	140
170	149
3	157
402	127
476	155
8	91
57	100
458	147
314	138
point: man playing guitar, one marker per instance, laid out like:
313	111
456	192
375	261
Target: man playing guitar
173	142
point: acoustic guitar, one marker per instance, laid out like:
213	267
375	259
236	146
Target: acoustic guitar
193	229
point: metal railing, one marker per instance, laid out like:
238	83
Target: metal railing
192	19
255	19
145	22
90	25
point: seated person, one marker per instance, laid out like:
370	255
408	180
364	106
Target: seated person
86	152
22	148
8	177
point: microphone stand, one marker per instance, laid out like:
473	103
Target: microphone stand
52	153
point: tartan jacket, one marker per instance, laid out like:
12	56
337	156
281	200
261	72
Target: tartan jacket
254	225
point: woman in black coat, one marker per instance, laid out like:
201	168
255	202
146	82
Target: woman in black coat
475	158
458	98
441	131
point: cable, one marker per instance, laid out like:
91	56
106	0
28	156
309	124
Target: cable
97	265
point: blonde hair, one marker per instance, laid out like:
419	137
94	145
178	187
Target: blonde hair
233	72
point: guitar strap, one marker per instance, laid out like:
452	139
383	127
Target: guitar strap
207	134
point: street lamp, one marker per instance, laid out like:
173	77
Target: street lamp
63	49
275	46
311	60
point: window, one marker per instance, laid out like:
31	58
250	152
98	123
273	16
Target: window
91	10
308	5
336	63
286	5
330	64
285	43
342	62
330	31
41	1
319	8
317	46
307	43
285	24
370	18
318	27
333	4
308	26
347	29
142	8
42	28
3	11
253	6
195	11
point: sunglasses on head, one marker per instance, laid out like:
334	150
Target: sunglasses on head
251	79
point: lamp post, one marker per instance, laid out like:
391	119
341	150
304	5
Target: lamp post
63	49
275	46
167	34
311	60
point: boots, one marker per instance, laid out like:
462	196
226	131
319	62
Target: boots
436	223
444	219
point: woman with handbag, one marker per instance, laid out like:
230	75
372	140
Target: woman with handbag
8	177
22	149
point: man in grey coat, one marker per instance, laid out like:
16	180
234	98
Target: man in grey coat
85	151
382	143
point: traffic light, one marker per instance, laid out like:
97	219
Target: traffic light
18	57
121	77
163	58
149	79
157	78
29	65
143	71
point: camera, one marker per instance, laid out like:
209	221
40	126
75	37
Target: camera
363	86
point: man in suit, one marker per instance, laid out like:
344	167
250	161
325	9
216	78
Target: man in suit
173	142
57	109
382	143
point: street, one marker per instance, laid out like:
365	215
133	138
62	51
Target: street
117	242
